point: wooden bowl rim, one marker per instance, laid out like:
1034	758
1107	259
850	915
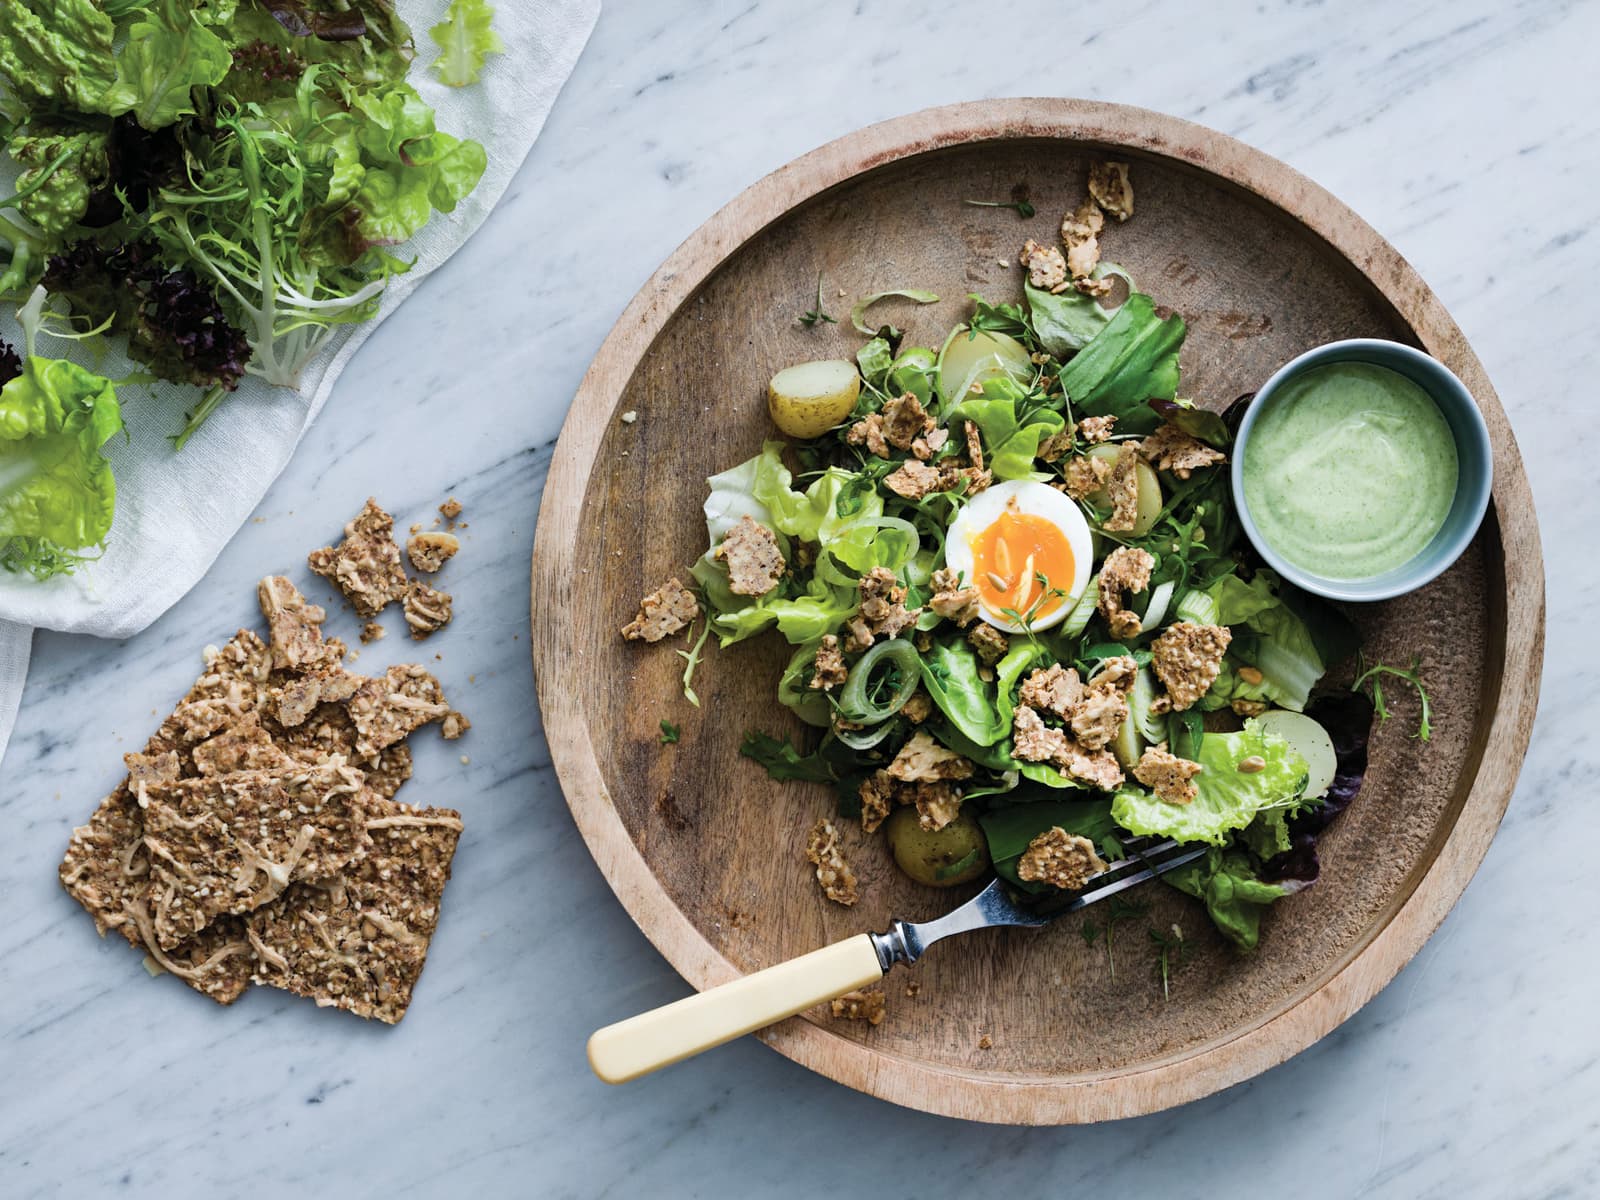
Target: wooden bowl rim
1512	669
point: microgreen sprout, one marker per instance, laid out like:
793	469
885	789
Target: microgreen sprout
1373	677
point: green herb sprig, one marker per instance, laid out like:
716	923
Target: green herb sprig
811	317
1372	677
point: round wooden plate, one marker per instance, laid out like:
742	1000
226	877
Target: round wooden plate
706	853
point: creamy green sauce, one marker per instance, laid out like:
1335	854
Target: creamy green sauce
1350	471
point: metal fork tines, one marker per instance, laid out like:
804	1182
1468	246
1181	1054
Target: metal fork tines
906	941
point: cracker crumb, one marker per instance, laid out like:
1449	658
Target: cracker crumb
1187	659
755	564
837	879
952	601
1047	269
366	565
923	760
430	551
427	609
882	611
1122	489
1061	859
986	1042
372	632
829	669
1125	570
905	420
663	612
1080	233
1111	189
1094	430
864	1004
991	644
1167	775
450	509
1171	449
629	417
1085	476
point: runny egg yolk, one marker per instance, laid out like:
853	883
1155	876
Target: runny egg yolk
1009	557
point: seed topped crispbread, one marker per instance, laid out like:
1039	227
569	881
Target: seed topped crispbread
242	747
359	942
231	843
387	709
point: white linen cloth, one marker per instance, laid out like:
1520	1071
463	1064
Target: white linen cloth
176	511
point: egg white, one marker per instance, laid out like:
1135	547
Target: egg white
1035	499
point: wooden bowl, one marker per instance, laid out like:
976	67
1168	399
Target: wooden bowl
706	853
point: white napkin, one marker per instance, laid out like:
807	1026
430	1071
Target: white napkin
176	511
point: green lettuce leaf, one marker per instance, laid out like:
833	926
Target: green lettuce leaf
1234	894
858	311
1271	634
168	52
57	494
1132	360
1012	443
950	673
1065	322
57	53
465	39
61	170
874	360
1228	798
808	703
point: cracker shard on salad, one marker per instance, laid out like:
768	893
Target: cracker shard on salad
1024	622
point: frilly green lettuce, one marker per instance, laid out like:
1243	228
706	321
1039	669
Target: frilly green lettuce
1235	896
465	38
1012	442
1228	799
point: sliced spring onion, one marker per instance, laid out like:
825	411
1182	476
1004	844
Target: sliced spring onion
864	739
1156	611
858	311
856	700
1078	619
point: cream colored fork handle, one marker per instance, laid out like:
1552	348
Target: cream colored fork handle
677	1031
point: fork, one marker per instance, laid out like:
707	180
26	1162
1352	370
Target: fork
645	1043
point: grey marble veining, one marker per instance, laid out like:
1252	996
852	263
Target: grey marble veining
1466	132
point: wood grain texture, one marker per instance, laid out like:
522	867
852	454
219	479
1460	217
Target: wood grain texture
705	852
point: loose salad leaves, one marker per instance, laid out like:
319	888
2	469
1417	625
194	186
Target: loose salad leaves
57	493
246	167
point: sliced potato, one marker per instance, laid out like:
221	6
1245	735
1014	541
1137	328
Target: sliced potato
958	853
808	399
1150	499
1312	742
969	358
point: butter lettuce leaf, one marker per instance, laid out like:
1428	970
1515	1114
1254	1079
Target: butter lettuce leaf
1228	798
57	493
168	53
1012	441
465	38
1235	896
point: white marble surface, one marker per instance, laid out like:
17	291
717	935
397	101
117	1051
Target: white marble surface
1467	132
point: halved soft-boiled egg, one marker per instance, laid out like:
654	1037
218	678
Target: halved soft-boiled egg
1028	551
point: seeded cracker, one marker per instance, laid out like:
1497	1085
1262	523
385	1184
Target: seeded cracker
296	627
427	609
366	565
230	844
105	868
387	709
244	747
359	942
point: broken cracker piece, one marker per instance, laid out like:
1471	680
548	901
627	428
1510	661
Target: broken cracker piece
430	551
388	708
835	876
372	632
427	609
664	611
231	843
359	942
295	627
366	565
863	1004
450	509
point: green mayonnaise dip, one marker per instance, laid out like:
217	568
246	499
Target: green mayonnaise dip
1350	471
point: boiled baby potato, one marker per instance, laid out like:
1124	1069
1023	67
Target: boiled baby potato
1150	500
958	853
969	358
808	399
1311	741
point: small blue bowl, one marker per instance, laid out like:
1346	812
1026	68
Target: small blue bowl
1476	473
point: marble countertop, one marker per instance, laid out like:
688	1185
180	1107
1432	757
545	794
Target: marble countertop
1465	132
